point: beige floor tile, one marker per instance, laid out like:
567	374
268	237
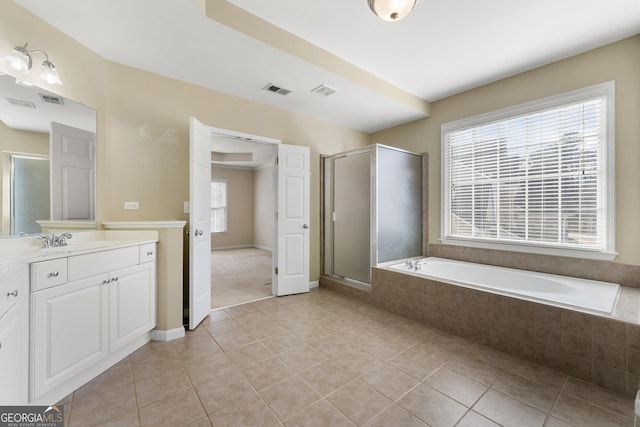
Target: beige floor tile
536	372
100	407
205	370
129	419
473	419
143	368
301	358
289	397
457	386
555	422
535	394
320	414
508	411
227	342
267	373
199	334
180	408
249	355
117	375
389	381
326	377
432	407
356	362
153	351
199	350
359	401
474	369
249	411
216	316
224	327
419	362
600	397
582	413
223	391
332	345
160	387
282	342
201	422
395	416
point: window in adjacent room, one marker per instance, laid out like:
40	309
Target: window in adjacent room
219	206
537	177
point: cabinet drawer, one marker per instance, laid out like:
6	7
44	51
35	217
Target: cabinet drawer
147	253
12	290
88	265
47	274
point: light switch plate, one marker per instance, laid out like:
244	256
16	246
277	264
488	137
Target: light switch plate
131	206
187	207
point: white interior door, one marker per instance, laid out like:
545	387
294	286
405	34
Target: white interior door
292	236
73	171
199	222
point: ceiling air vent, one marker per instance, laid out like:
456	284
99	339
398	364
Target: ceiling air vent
51	99
276	89
20	103
324	90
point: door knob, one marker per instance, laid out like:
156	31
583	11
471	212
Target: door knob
305	226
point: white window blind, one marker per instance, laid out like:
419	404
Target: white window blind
218	206
534	175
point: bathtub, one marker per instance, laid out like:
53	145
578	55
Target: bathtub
563	291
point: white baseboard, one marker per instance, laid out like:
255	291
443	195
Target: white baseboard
264	248
171	334
224	248
314	284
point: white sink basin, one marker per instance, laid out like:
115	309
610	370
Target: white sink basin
79	246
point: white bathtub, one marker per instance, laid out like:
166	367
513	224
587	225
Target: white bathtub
564	291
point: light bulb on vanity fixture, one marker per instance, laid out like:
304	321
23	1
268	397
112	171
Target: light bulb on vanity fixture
392	10
20	59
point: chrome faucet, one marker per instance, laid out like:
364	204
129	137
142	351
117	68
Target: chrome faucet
61	239
413	264
51	240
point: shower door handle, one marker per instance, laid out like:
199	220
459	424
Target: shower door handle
305	226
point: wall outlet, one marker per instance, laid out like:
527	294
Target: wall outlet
131	206
187	207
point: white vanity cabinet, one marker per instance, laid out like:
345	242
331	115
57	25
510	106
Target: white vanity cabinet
96	316
14	339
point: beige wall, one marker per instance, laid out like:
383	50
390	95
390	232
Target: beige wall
263	205
142	125
619	61
240	208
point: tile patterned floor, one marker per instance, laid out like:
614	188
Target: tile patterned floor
323	359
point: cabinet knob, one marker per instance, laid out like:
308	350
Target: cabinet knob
115	279
106	281
12	294
54	274
149	253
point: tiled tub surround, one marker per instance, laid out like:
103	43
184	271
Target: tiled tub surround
604	351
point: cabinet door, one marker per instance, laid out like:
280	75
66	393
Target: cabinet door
14	344
70	331
132	303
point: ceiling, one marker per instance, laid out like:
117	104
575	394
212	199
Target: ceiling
385	73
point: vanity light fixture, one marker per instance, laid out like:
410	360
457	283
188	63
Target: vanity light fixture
20	59
392	10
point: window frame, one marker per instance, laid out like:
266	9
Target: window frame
605	90
226	207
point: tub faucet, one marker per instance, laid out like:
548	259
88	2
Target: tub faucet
413	264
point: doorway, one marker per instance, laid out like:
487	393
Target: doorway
242	205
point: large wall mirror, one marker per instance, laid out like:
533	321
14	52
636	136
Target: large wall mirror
47	149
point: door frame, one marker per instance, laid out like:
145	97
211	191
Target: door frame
227	133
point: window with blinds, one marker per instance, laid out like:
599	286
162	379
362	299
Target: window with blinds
218	206
535	175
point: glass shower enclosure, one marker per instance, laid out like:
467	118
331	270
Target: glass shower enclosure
372	210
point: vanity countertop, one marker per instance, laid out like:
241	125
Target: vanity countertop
16	253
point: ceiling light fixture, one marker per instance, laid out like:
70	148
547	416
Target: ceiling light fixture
20	59
392	10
